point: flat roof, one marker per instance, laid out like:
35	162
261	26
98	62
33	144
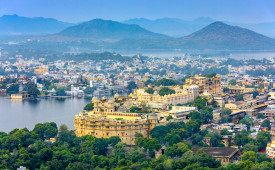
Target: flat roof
217	151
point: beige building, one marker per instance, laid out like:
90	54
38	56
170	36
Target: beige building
270	149
207	85
184	94
108	120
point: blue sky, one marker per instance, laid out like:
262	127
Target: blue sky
248	11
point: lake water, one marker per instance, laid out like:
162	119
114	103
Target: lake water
20	114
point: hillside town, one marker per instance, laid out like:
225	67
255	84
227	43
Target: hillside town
222	106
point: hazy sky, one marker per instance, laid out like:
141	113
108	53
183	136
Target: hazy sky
249	11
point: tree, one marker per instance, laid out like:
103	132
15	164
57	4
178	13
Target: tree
239	97
199	102
215	140
195	115
89	107
255	93
260	116
60	91
113	140
266	123
225	111
249	156
264	165
169	117
63	128
131	85
166	82
166	91
250	147
33	91
176	150
150	91
192	126
232	82
46	130
134	109
247	121
226	90
241	138
13	89
207	115
89	90
159	132
262	139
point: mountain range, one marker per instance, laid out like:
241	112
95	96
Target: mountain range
18	25
172	26
177	27
109	30
108	34
215	36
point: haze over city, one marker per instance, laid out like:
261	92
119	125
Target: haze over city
137	84
247	11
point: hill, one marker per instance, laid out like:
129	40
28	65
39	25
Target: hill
219	35
17	25
216	36
171	26
107	29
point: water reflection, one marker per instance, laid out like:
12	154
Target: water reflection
27	113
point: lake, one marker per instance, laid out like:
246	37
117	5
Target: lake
27	113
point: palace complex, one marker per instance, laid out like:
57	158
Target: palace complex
114	116
207	85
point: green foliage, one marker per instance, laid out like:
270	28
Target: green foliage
255	93
166	82
159	132
209	75
60	91
195	115
247	121
13	89
225	111
176	150
250	147
239	97
131	85
215	140
232	82
166	91
134	109
89	107
169	117
33	91
150	91
249	156
206	114
266	123
225	90
89	90
148	144
260	116
46	130
241	138
262	139
199	102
